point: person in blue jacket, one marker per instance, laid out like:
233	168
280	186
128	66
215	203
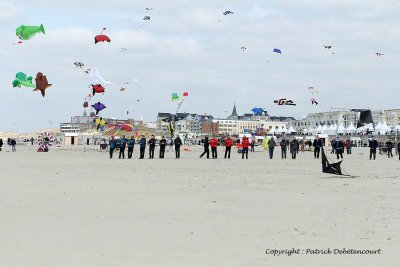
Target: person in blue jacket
142	144
111	144
122	146
131	145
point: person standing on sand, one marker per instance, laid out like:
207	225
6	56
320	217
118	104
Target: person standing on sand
283	148
317	144
245	147
206	148
373	145
252	145
152	146
13	144
271	146
163	143
398	149
32	141
111	144
294	146
142	144
214	145
122	146
228	146
339	147
1	144
178	143
131	145
389	146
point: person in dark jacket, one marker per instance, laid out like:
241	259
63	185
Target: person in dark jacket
373	145
152	146
245	147
1	144
122	146
252	144
142	145
228	146
389	146
13	144
131	145
178	143
283	145
317	144
271	146
398	149
163	143
206	148
214	145
339	147
294	146
111	145
348	145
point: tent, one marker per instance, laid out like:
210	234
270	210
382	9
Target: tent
350	129
340	129
291	130
324	129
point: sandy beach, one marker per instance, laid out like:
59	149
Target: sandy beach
75	208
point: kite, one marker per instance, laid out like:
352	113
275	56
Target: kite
333	168
95	75
117	128
243	48
380	55
100	123
174	97
123	49
146	18
122	89
276	50
41	83
98	107
101	37
86	103
27	32
79	64
284	101
45	140
314	101
364	117
258	111
327	46
313	90
92	114
227	12
149	8
185	94
97	88
22	79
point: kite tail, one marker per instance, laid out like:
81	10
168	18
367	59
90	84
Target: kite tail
93	92
42	29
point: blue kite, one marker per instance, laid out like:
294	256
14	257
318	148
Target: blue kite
258	111
277	50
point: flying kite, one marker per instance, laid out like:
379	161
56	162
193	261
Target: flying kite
174	97
313	90
327	46
116	128
79	64
227	12
123	49
22	79
314	101
146	18
284	101
100	123
277	50
27	32
101	37
149	8
97	88
243	48
380	55
98	107
41	83
95	75
87	99
258	111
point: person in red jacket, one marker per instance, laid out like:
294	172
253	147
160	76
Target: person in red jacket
245	147
228	146
214	144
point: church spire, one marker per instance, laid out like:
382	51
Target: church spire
234	114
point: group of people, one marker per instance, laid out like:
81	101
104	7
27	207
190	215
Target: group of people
122	143
11	142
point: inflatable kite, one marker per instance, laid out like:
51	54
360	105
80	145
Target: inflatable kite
115	129
95	75
258	111
327	46
185	94
22	79
276	50
98	107
284	101
97	88
227	12
100	123
79	64
174	97
41	83
45	140
314	101
102	37
27	32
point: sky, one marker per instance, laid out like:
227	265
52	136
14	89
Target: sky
190	46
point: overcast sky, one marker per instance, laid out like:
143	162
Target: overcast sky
189	45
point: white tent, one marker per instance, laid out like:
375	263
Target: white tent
369	126
350	129
340	129
397	128
291	130
319	129
324	129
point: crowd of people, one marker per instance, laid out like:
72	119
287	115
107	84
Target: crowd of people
11	142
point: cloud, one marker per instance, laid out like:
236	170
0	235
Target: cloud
8	11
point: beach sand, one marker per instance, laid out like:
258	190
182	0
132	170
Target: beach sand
74	208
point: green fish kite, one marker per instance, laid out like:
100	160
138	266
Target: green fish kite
22	79
25	32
